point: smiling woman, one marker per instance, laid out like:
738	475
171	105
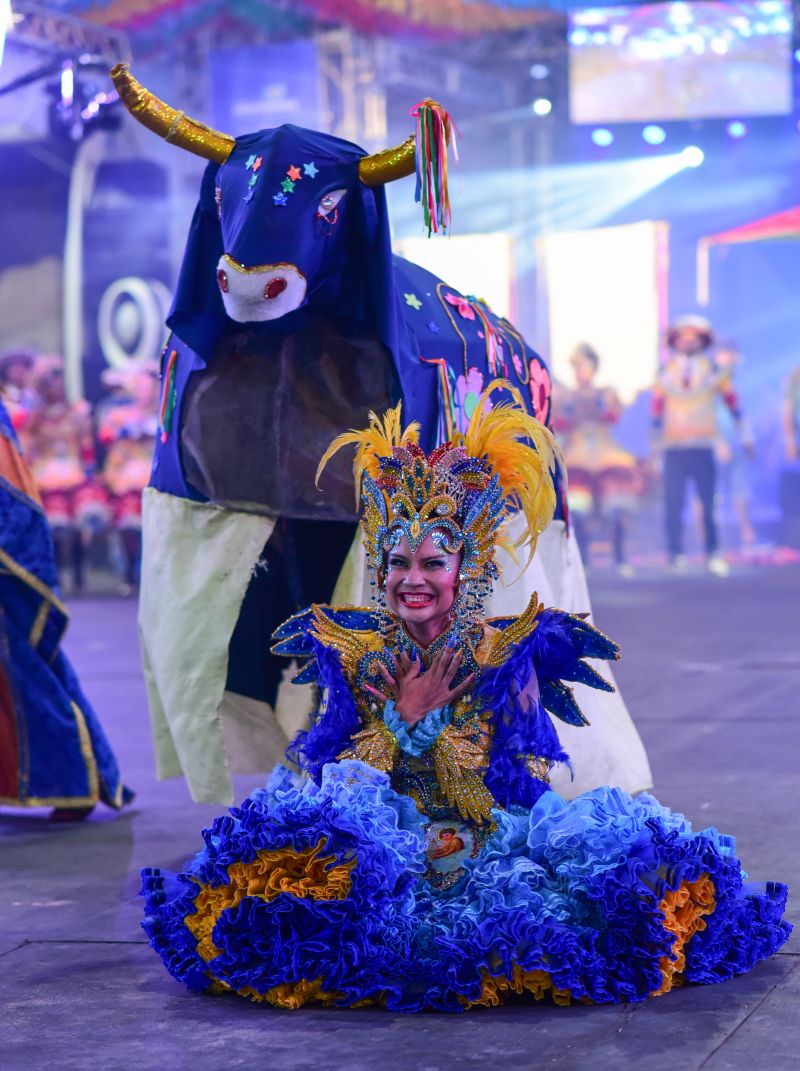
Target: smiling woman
424	861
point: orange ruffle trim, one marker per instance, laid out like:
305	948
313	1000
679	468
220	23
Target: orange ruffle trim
684	911
309	873
539	983
304	874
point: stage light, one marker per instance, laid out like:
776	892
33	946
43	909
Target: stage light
692	156
539	71
67	84
654	135
602	137
737	129
680	14
797	54
81	101
6	22
568	197
542	106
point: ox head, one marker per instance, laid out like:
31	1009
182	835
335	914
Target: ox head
288	206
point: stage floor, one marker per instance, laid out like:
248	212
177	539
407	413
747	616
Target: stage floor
711	672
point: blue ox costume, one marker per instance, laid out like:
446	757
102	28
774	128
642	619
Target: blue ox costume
291	320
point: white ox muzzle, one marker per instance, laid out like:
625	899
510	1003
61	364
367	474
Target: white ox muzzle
265	292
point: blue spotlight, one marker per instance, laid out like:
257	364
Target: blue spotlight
692	156
602	137
654	135
6	23
737	129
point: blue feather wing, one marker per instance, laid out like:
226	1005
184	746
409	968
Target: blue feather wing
292	638
558	700
557	647
295	638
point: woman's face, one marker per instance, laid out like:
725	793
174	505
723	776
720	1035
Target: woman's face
51	387
584	368
421	588
689	341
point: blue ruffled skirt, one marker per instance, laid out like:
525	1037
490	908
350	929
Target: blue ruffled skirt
314	893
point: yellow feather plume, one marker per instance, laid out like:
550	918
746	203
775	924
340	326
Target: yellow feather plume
522	452
371	443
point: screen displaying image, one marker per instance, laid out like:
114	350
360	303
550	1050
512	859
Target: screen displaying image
698	60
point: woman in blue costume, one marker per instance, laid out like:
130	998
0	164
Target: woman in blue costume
420	859
53	751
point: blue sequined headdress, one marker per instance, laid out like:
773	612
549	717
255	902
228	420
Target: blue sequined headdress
462	493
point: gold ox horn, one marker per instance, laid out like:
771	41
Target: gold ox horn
171	125
388	164
187	133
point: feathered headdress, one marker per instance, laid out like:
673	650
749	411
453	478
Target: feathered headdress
463	492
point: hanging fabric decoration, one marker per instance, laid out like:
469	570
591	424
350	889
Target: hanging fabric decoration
436	132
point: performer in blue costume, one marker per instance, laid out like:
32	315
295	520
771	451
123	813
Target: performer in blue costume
53	751
421	860
291	320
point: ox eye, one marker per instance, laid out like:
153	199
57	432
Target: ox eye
330	202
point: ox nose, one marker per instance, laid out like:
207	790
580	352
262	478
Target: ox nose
264	292
275	286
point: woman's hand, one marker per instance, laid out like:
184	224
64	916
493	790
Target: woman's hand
416	693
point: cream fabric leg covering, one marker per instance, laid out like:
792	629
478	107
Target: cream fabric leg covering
256	736
196	564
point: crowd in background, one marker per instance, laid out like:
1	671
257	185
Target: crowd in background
90	464
697	448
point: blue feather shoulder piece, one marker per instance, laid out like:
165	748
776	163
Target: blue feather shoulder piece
554	644
351	631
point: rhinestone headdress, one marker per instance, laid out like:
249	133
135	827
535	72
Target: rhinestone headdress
462	493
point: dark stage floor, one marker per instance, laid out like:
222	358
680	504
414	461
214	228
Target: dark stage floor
711	670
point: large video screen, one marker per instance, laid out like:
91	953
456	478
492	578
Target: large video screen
696	60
